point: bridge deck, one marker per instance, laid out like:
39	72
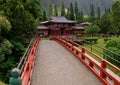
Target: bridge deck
56	66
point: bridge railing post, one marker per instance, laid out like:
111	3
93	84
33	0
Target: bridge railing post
103	67
15	77
82	54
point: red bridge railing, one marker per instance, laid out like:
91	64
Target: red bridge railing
98	65
29	64
25	66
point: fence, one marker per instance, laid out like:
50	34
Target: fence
103	52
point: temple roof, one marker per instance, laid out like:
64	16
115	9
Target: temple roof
88	23
58	19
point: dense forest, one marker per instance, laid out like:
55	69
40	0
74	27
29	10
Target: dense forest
18	22
83	5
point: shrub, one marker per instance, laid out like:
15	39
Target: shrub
113	45
78	35
91	40
106	39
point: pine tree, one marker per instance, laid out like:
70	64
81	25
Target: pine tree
67	14
76	11
98	12
71	12
44	16
80	17
55	11
92	14
62	10
50	10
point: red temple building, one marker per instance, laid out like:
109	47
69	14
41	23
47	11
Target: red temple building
59	26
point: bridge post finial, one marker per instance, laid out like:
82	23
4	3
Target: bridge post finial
15	77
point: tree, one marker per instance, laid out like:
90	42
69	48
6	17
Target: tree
62	10
50	10
68	13
115	16
23	27
92	30
98	13
105	24
76	11
55	11
92	14
44	16
23	17
80	17
4	24
5	45
71	12
33	6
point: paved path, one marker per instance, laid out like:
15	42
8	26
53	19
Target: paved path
56	66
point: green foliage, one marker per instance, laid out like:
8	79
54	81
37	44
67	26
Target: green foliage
106	39
113	45
55	11
21	19
4	24
105	24
76	11
68	14
83	5
5	62
92	30
116	16
91	40
80	17
6	69
10	54
44	16
17	50
78	35
62	10
22	16
5	49
50	10
71	12
98	13
23	27
92	13
33	6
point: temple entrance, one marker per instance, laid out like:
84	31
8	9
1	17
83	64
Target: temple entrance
49	32
62	31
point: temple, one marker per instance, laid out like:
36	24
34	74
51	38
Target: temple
59	26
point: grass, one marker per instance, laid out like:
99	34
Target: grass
1	83
100	43
44	38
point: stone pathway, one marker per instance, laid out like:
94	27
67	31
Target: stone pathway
55	65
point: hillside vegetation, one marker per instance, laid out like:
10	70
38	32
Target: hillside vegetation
83	5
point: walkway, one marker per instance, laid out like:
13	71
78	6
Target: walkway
56	66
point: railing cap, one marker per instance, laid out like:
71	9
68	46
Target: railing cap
15	73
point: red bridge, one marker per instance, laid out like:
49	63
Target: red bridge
63	62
